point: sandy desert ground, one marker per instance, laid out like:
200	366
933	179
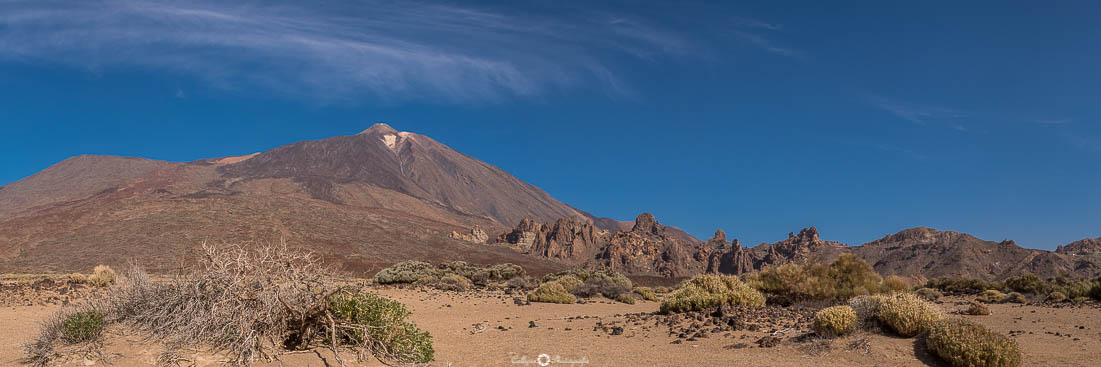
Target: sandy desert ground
490	328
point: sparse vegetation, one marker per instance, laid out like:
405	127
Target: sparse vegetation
1057	297
894	283
251	306
1014	297
707	291
957	285
977	309
455	275
834	321
846	277
929	294
966	344
590	283
405	272
82	326
907	314
866	307
552	292
77	278
625	298
991	296
646	293
662	290
102	276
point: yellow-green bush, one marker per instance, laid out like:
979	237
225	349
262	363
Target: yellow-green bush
966	344
662	290
1057	296
646	293
928	294
991	296
405	272
551	292
625	298
82	326
1014	297
907	314
958	285
453	282
977	309
834	321
569	282
707	291
846	277
102	276
894	284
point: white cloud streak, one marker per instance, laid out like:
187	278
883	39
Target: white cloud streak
394	51
921	115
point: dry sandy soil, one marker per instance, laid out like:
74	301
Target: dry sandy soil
488	328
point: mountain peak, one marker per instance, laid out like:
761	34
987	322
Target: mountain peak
379	128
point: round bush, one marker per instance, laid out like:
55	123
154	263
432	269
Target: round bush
866	307
625	298
907	314
834	321
552	292
1057	296
82	326
646	293
405	272
384	321
928	294
964	343
102	276
977	309
707	291
1014	297
991	296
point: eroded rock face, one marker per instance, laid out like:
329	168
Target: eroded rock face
1087	246
476	235
799	248
728	258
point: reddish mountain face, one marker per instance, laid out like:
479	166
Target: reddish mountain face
365	200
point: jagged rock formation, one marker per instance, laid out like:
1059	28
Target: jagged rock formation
476	235
728	258
801	248
1084	247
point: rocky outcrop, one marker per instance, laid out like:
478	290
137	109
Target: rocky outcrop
1083	247
571	240
728	258
802	248
476	235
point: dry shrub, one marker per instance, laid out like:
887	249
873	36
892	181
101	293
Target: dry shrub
41	351
569	282
1014	297
646	293
590	283
249	305
964	343
928	294
454	282
552	292
866	307
907	314
662	290
958	285
1057	297
977	309
625	298
77	278
707	291
991	296
102	276
894	283
834	321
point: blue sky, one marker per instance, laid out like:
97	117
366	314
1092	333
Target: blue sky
861	118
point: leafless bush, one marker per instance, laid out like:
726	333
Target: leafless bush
250	305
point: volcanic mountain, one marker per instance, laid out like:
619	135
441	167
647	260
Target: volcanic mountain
364	200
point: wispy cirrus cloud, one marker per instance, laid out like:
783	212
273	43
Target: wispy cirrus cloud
920	114
390	50
751	31
1054	121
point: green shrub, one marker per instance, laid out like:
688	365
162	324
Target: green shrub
991	296
1014	297
977	309
928	294
1057	297
382	320
646	293
958	285
1080	299
1027	283
707	291
834	321
907	314
846	277
569	282
102	276
551	292
497	273
966	344
82	326
405	272
625	298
